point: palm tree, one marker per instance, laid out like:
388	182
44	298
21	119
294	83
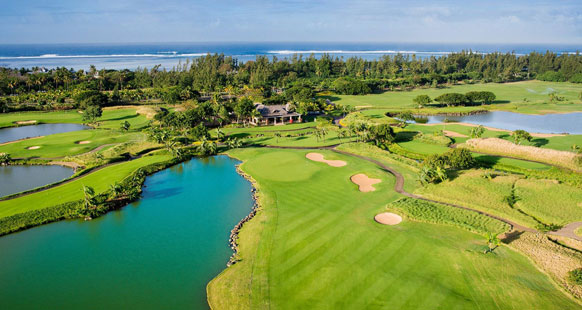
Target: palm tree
174	149
116	189
323	133
220	134
278	135
440	173
233	143
492	242
207	148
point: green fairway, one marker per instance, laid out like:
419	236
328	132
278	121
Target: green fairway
315	246
99	180
111	118
67	144
524	97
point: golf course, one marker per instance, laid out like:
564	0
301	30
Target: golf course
368	201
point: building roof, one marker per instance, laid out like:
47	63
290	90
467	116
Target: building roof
278	110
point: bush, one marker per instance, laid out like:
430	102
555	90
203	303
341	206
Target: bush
575	276
460	159
576	78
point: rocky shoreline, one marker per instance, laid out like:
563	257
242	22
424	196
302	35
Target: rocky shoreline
233	239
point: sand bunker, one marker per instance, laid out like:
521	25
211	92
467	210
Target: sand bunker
33	147
319	158
454	134
83	142
388	218
25	122
364	182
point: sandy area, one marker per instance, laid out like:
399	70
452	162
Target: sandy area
25	122
388	218
319	158
364	182
33	148
454	134
533	134
83	142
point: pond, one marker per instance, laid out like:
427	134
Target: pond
157	253
29	131
16	179
548	123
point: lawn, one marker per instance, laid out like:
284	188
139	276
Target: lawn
99	180
315	246
66	144
524	97
111	118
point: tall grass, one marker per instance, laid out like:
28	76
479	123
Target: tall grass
502	147
424	211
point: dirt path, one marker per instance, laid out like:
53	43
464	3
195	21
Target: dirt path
568	231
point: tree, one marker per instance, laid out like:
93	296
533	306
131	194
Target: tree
244	109
477	132
460	158
220	134
200	132
422	100
520	135
174	149
492	242
92	113
89	201
125	126
207	148
233	143
5	159
278	135
404	118
382	135
452	99
342	133
116	189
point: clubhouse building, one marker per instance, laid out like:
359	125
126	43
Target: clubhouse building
275	115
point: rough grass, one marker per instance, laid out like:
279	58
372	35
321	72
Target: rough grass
440	214
552	258
72	191
502	147
549	200
471	189
314	245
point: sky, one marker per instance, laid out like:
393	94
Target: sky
120	21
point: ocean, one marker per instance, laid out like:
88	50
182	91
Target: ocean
168	55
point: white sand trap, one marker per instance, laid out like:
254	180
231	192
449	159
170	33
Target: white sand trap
388	218
454	134
25	122
319	158
364	182
33	147
83	142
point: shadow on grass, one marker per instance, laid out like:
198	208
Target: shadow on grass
511	236
539	142
405	136
120	118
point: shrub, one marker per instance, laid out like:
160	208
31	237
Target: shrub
422	100
552	76
575	276
460	159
